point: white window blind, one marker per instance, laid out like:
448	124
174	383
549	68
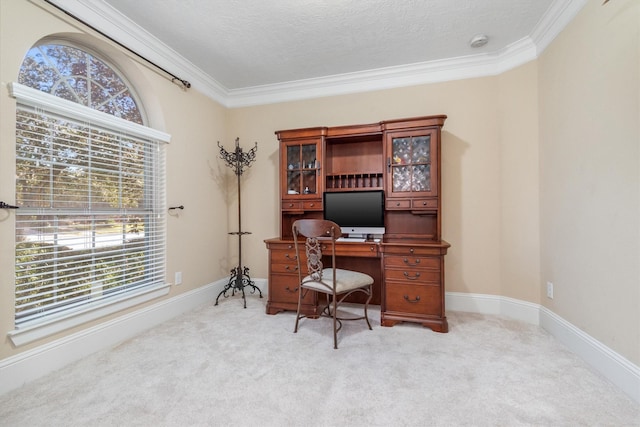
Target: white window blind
91	192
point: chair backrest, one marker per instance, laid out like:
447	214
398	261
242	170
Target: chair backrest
316	233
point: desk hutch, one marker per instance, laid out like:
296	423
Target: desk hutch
401	157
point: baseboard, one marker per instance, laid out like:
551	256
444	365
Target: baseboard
33	364
617	369
493	304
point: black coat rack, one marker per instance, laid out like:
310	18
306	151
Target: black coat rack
238	160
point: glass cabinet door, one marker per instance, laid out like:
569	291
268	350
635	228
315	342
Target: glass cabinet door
302	168
411	165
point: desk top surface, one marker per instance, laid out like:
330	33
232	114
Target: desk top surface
375	249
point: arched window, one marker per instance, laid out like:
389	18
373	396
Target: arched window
75	75
90	231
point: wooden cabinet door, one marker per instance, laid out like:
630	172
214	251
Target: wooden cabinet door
412	163
300	162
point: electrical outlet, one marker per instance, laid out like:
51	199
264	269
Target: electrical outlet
549	290
178	280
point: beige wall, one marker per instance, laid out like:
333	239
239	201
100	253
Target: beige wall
590	175
470	175
489	154
540	171
519	184
196	238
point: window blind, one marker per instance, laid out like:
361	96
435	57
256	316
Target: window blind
91	223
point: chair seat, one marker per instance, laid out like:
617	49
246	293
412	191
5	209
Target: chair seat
346	280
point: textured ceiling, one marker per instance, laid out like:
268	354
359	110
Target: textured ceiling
247	43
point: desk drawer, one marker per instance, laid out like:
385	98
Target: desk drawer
357	249
424	203
291	205
412	250
282	246
412	275
283	288
302	205
312	205
286	256
412	261
416	299
281	268
397	204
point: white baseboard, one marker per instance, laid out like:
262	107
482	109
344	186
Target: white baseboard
32	364
493	304
617	369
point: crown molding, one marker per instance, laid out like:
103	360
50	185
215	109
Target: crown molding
108	20
555	19
464	67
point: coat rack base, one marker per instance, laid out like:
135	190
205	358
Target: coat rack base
239	280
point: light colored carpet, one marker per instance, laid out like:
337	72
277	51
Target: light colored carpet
229	366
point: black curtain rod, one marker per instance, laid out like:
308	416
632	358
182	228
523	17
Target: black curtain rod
175	78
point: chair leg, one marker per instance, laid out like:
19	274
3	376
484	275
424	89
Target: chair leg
335	323
366	306
295	330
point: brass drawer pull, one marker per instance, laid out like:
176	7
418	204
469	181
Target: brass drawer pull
288	257
406	261
288	267
412	301
295	290
411	278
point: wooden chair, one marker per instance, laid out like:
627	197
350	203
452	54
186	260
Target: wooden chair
312	236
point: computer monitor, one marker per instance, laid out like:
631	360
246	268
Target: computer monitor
358	213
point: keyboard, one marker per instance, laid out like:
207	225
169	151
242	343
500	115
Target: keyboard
351	239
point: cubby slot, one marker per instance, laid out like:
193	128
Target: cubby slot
354	180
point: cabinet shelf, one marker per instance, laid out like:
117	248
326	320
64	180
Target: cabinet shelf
361	180
303	169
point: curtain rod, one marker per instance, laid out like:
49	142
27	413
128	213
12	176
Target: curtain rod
174	79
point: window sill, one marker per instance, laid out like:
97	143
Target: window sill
29	333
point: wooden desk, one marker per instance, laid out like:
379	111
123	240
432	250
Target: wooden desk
400	157
408	279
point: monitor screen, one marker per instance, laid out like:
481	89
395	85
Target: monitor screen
356	212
